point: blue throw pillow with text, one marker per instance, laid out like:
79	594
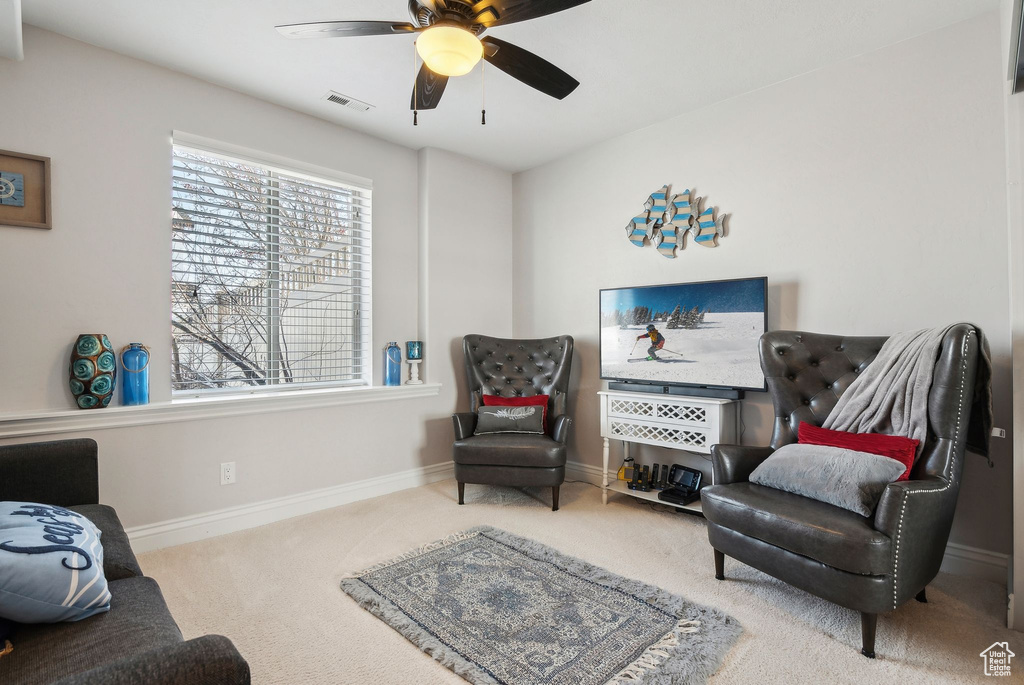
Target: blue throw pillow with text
51	565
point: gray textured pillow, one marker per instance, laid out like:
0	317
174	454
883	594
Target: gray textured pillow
509	420
846	478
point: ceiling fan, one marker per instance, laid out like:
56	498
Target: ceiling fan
448	40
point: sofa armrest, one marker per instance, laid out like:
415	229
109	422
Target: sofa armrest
917	516
465	424
734	463
62	472
207	660
560	431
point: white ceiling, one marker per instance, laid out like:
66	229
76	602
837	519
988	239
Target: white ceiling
639	61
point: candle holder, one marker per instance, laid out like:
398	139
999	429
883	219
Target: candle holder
414	355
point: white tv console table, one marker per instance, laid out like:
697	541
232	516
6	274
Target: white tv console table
681	422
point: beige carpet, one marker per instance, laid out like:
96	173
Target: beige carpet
274	591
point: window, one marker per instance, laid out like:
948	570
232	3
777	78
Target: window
270	277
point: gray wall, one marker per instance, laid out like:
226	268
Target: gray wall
1015	226
871	193
106	122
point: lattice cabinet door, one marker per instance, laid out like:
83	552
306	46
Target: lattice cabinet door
687	423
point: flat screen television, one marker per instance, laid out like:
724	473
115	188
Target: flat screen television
708	334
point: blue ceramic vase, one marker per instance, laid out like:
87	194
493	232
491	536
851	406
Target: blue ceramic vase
92	372
135	383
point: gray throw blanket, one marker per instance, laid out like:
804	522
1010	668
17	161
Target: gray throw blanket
891	395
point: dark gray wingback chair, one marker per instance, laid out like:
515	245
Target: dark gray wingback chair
514	368
871	565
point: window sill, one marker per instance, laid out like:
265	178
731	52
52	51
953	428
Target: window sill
194	409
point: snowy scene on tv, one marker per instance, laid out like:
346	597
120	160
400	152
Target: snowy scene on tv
691	333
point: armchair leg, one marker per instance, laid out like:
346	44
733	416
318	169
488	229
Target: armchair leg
462	492
921	596
719	565
867	630
554	498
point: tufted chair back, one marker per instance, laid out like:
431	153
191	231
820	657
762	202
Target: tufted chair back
519	368
807	373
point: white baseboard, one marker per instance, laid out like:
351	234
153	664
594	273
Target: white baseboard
223	521
211	524
960	560
963	560
577	470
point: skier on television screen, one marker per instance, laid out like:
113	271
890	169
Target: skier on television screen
657	341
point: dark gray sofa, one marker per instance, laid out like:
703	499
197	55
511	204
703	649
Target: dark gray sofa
137	641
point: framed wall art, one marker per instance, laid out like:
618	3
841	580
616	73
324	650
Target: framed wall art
24	190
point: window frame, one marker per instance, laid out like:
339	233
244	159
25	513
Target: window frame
314	173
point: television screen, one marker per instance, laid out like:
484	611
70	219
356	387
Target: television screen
703	334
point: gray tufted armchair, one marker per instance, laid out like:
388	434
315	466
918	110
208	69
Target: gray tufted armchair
873	564
514	368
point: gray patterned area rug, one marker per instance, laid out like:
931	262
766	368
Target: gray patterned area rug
497	608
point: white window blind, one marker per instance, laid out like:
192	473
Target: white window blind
270	277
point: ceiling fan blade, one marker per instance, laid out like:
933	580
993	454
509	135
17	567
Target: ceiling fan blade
343	29
428	89
532	70
500	12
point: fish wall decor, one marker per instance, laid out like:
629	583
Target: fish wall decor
667	219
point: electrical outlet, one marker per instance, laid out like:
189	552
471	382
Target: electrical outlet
227	473
998	432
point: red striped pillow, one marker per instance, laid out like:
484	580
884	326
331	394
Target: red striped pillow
895	447
531	401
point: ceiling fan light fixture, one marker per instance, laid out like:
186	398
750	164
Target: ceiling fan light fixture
449	50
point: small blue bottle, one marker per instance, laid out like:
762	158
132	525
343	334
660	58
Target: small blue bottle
392	364
135	386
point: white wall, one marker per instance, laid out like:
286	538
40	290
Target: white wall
871	193
466	214
106	122
1015	226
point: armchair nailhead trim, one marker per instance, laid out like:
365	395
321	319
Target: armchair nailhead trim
949	482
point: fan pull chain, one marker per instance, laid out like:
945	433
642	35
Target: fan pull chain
483	97
415	89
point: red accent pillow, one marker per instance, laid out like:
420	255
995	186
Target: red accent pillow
532	401
893	446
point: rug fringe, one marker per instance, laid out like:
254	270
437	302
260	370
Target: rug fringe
655	655
423	549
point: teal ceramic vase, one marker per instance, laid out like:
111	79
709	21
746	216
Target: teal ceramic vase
92	371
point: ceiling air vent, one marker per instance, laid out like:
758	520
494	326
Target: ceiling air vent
346	101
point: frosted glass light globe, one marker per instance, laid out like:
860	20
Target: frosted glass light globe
449	50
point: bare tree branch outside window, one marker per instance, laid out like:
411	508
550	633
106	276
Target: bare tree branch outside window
270	276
